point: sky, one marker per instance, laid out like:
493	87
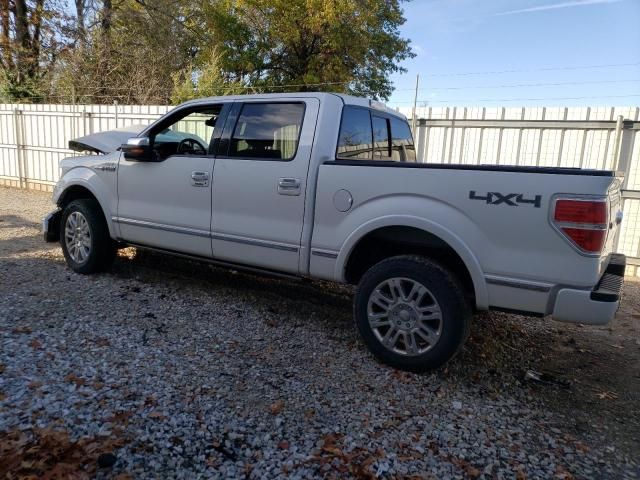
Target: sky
489	52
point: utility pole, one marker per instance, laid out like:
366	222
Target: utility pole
415	102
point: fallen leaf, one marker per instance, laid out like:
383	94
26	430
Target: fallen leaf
35	344
73	378
158	415
276	407
472	472
606	395
562	473
582	447
103	342
283	445
120	417
21	330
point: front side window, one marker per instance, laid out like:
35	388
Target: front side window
355	134
267	131
189	134
402	141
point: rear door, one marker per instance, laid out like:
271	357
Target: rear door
259	182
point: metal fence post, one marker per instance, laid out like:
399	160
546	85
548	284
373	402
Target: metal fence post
17	122
623	160
625	150
617	139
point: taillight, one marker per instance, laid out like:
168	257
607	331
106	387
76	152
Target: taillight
582	222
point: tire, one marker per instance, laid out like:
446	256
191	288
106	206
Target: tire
419	314
89	249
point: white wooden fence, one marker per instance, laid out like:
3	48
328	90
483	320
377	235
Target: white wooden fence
34	138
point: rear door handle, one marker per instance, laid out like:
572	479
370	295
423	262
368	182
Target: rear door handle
289	186
200	179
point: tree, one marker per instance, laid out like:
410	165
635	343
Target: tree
207	81
131	53
154	51
337	45
27	45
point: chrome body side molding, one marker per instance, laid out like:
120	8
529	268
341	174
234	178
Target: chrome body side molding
523	284
204	233
318	252
160	226
254	242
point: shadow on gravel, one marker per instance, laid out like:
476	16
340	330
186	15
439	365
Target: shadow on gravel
204	276
14	221
24	239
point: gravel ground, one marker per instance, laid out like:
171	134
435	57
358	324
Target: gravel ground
183	370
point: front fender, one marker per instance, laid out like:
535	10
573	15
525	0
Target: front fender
100	188
446	235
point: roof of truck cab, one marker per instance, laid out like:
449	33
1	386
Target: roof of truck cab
346	99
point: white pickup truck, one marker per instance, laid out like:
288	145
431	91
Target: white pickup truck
327	186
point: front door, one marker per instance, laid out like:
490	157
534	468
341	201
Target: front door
260	180
166	202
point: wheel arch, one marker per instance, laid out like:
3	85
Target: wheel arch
69	190
404	234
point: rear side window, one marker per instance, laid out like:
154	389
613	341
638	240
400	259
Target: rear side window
371	135
355	134
402	142
267	131
381	145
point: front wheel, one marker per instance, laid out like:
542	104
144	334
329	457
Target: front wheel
411	313
84	237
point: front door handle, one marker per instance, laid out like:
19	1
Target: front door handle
289	186
200	179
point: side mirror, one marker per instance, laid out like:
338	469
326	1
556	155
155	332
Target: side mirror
137	149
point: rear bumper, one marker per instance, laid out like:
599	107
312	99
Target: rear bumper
51	226
595	307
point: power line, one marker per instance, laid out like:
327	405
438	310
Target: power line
544	69
514	85
519	99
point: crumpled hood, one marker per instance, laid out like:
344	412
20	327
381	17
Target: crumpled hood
105	142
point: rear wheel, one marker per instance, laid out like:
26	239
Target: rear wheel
411	313
84	237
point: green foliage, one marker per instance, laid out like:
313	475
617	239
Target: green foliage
155	51
208	80
347	46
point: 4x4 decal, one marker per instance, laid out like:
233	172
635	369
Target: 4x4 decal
511	199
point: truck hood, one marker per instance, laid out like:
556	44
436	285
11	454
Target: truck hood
105	142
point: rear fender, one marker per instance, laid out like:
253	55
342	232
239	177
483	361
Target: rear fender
455	242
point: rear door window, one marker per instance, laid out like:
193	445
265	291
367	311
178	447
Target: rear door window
381	144
371	135
356	137
401	141
268	131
